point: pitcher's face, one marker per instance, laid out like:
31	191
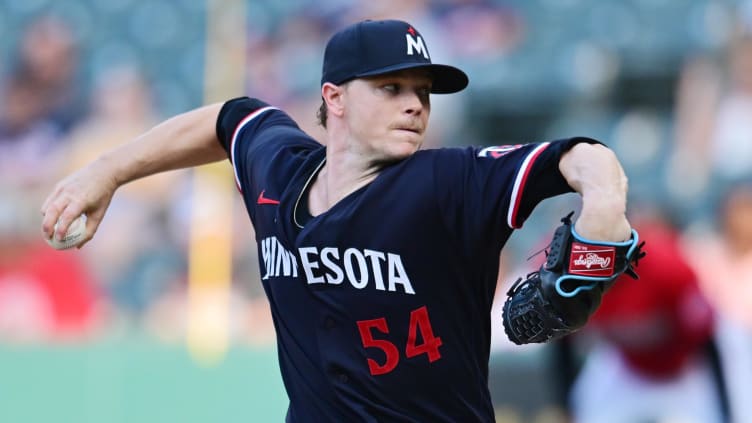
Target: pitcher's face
387	115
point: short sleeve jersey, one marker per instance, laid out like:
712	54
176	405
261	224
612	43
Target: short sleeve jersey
382	303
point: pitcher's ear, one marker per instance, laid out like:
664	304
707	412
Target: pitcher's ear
333	96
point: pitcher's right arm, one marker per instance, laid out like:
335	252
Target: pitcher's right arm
185	140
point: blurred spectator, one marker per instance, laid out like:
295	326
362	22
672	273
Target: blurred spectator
45	295
731	149
121	107
27	145
724	263
48	59
651	356
688	166
39	100
713	125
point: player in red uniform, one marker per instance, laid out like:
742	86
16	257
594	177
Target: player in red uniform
380	260
654	359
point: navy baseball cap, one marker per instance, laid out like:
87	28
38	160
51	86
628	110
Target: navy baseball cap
371	48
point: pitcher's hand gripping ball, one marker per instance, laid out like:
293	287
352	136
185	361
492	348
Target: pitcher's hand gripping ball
559	298
74	236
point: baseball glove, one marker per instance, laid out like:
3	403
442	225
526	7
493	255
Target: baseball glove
559	298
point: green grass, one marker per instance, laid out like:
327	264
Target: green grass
137	381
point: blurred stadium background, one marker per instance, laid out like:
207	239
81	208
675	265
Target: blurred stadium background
100	334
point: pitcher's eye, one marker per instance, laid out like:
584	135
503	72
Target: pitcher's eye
391	88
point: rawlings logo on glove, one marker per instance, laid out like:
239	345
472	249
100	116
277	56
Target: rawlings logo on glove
587	258
559	298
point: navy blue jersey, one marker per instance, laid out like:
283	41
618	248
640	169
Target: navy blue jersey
382	303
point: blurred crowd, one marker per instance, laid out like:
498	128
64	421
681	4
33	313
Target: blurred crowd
666	84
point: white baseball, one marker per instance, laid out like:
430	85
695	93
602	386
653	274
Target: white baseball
74	236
